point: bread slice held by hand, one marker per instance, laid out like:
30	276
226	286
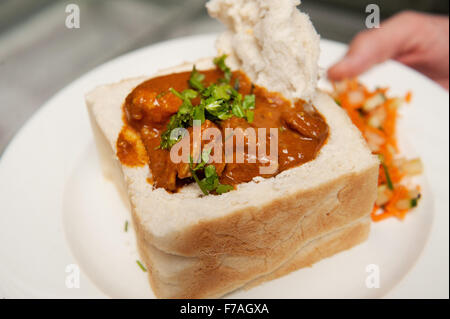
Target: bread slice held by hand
206	246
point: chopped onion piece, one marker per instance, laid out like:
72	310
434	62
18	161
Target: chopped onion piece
340	86
414	193
397	102
375	121
374	141
403	204
384	195
356	97
399	162
377	118
374	102
413	167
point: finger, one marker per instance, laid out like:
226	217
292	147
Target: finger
444	83
375	46
358	59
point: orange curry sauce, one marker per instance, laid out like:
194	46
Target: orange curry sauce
302	131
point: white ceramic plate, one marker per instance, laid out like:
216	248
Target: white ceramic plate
56	209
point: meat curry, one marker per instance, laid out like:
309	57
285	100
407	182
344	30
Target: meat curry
151	106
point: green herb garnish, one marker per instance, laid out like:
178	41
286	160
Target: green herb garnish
177	121
237	110
126	226
388	177
249	102
211	180
199	114
196	80
141	266
222	189
184	117
218	102
250	116
220	62
186	95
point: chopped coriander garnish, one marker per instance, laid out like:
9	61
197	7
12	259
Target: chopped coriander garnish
126	226
250	116
141	266
186	95
222	92
179	120
199	114
176	93
218	102
249	102
220	62
183	118
211	180
196	80
222	189
194	175
237	110
414	202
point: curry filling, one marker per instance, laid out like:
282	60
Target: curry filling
223	100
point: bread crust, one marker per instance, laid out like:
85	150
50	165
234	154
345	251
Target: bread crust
235	249
323	247
216	255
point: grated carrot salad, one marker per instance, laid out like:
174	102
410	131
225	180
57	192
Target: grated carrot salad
375	114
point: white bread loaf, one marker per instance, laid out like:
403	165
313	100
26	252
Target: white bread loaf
198	247
273	42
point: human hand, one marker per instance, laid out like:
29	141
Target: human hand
420	41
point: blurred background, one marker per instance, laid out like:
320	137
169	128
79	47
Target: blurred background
39	55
